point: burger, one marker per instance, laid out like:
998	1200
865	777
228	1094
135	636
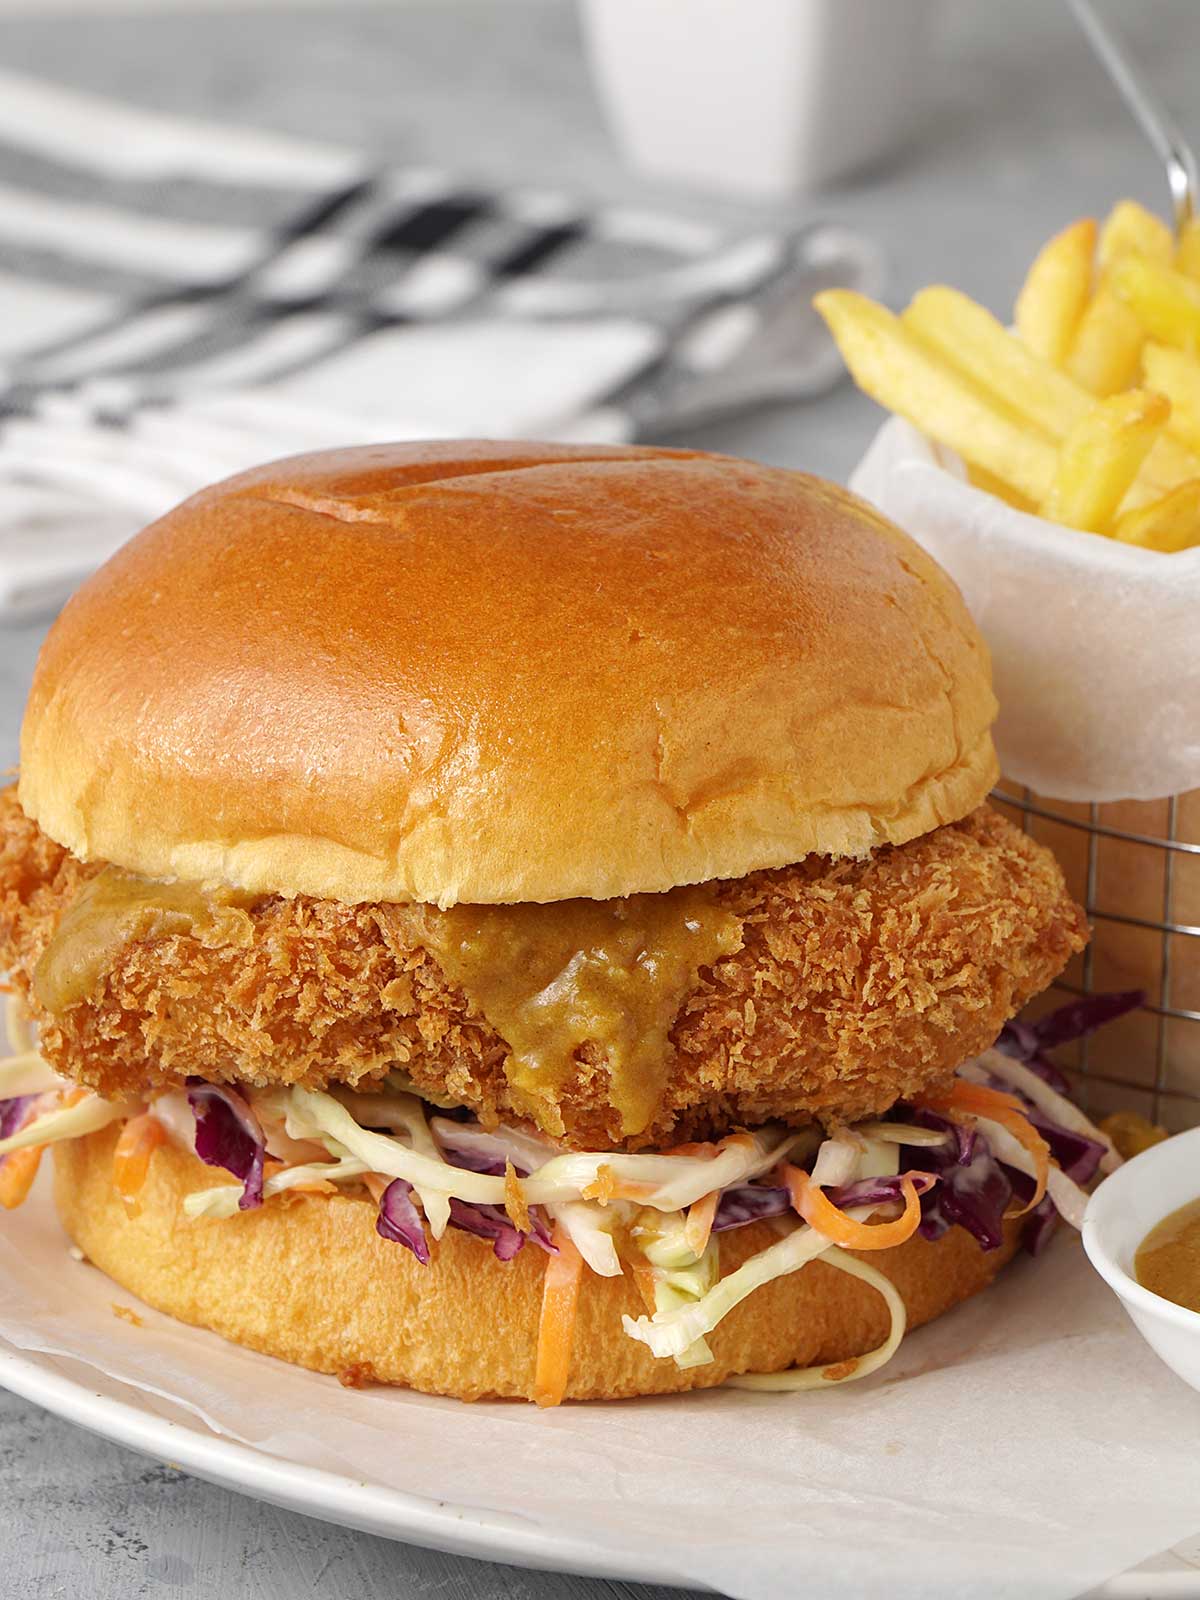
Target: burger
525	920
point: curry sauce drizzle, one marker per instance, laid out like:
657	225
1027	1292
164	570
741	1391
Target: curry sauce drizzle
553	978
116	908
549	979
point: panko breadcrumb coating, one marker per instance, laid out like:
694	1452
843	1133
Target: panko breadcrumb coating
858	983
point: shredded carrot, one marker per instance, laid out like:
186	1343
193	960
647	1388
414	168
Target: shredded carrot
698	1227
138	1140
18	1169
821	1213
965	1099
646	1279
606	1186
625	1189
603	1186
514	1199
556	1329
375	1183
731	1141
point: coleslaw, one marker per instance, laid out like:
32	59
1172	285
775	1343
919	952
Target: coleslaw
1001	1140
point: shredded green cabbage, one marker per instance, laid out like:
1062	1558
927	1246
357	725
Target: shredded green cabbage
405	1111
222	1199
1056	1106
313	1114
591	1232
69	1122
880	1159
670	1333
826	1376
1069	1199
901	1133
681	1278
27	1074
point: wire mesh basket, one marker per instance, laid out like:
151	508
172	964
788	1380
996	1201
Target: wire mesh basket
1135	866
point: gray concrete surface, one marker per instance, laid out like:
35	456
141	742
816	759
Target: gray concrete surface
1021	135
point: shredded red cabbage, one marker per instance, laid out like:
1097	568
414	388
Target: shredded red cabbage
973	1190
399	1220
877	1191
490	1222
960	1146
1076	1154
229	1135
12	1113
470	1147
475	1160
1041	1224
1030	1041
749	1202
960	1182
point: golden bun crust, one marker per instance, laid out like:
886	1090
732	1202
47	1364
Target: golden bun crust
506	672
311	1282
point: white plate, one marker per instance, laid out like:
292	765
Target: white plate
147	1424
596	1480
142	1422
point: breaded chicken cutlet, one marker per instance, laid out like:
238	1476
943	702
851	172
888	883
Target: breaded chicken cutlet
853	984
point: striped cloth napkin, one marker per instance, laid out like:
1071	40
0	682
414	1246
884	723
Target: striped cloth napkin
179	301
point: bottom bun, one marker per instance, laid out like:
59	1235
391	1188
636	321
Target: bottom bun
309	1280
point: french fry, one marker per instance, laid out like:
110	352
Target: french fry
1169	464
1108	341
1187	256
1107	346
1131	230
974	342
1165	302
1102	456
1089	413
1056	291
1177	376
1170	524
983	350
898	370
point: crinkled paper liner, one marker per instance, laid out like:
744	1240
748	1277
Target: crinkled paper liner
1028	1444
1095	644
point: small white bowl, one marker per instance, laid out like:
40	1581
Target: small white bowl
1119	1216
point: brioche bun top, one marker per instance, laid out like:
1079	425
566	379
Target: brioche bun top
506	672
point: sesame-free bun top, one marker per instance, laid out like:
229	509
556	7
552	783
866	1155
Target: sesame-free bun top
499	672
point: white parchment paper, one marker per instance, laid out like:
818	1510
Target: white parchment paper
1027	1445
1095	644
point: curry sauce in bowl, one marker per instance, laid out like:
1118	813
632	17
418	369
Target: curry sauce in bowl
1168	1259
1142	1234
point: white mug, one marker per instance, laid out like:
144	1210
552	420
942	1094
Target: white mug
758	97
